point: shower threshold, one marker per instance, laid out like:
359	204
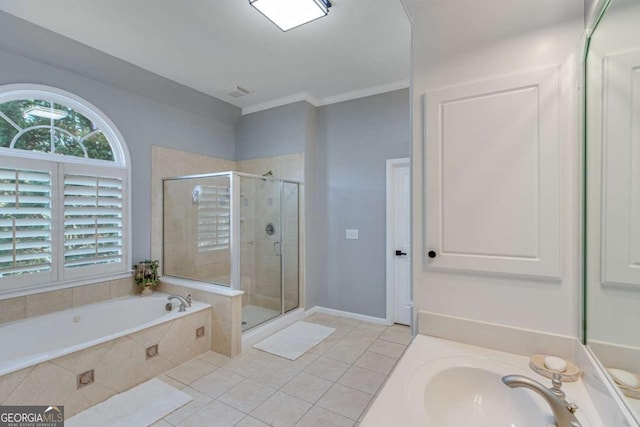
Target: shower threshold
253	315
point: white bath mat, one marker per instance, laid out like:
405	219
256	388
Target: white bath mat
295	340
141	406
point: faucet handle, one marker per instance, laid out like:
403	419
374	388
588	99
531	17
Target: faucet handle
556	383
572	407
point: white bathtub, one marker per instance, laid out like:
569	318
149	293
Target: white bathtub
34	340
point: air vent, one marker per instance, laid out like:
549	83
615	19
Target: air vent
236	91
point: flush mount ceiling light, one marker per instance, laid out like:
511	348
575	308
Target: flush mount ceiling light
46	112
288	14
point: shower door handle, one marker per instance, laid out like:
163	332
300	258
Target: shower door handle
277	248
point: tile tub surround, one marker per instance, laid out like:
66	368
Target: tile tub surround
226	314
118	365
36	304
393	406
330	386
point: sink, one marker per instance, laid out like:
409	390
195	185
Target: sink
468	391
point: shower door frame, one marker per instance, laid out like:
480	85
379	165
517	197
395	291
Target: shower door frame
235	234
234	240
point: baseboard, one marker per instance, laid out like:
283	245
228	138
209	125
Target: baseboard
496	336
347	314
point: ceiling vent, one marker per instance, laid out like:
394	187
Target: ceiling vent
236	91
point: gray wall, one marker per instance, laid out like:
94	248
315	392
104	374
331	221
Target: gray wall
147	109
354	140
346	146
315	214
274	132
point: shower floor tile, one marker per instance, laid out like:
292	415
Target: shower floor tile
253	315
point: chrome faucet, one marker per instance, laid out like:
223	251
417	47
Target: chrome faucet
563	410
184	303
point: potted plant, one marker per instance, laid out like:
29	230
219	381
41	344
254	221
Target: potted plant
146	275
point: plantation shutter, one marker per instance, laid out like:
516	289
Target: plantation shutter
93	219
25	220
214	218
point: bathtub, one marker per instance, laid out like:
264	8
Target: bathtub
57	334
42	358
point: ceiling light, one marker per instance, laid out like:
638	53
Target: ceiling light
288	14
46	112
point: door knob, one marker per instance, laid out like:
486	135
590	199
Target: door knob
432	254
400	253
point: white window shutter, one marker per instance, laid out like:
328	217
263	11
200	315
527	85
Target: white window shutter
27	203
25	221
94	219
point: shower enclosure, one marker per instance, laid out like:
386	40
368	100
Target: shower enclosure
236	230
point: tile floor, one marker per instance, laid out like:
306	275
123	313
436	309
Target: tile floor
331	385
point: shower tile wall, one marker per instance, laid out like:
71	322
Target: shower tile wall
258	277
183	257
167	163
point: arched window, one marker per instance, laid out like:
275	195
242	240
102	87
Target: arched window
64	191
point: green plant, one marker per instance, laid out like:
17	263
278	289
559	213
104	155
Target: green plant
146	272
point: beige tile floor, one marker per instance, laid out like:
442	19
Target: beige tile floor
331	385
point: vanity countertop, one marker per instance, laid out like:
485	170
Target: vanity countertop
395	405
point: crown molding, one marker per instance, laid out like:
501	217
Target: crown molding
334	99
279	102
375	90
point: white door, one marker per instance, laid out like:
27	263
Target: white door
492	176
398	241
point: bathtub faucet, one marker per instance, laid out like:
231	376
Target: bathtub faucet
184	303
563	411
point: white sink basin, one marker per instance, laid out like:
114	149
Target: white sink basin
441	383
468	391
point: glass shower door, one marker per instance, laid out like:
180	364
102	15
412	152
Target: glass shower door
197	224
260	250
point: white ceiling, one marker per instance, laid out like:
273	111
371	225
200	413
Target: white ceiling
361	47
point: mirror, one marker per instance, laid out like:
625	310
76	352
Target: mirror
612	225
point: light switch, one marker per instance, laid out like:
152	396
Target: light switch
352	234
